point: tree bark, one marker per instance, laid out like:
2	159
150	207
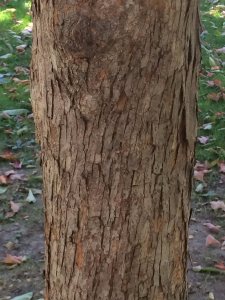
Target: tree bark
114	99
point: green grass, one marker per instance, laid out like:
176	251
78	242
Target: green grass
213	23
14	18
15	11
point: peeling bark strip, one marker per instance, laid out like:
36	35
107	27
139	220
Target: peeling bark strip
114	98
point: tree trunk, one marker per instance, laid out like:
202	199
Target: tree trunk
114	99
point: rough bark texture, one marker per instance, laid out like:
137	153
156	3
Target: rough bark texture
114	98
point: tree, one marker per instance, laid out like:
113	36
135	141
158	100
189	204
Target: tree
114	100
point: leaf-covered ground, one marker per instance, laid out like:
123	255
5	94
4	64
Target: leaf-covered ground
21	210
207	228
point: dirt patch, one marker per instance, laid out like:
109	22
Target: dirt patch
201	284
24	237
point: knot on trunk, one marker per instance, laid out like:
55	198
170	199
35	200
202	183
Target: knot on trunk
86	36
88	107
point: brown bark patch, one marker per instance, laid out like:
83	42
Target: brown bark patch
158	4
121	103
79	255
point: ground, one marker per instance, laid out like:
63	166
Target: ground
21	209
210	279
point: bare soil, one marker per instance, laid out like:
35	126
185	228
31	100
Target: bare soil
201	284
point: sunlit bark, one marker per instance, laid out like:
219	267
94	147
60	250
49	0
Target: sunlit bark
114	99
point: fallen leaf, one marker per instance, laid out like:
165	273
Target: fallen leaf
3	115
9	214
216	68
210	74
16	112
212	62
21	48
215	205
27	296
211	296
30	116
223	246
30	198
209	194
220	50
199	175
201	167
15	207
27	32
30	166
214	163
212	228
5	56
214	96
12	175
37	191
211	83
219	114
8	131
12	90
199	188
21	177
3	179
12	260
21	81
2	190
8	155
22	130
217	82
200	170
222	167
10	245
17	164
220	266
22	70
9	173
212	242
197	268
203	139
207	126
